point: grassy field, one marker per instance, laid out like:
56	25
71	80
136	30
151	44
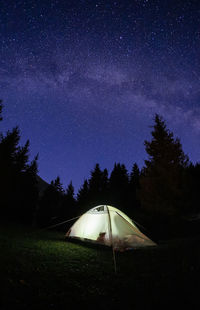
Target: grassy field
39	269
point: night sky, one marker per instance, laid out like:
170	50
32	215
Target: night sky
84	79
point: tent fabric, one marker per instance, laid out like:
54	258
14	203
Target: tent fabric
109	226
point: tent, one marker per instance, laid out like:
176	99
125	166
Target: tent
108	226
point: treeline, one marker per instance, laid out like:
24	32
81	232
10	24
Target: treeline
160	195
119	190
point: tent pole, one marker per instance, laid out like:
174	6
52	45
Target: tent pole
113	251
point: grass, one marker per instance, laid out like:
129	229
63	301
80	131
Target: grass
39	269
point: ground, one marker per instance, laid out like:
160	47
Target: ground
39	269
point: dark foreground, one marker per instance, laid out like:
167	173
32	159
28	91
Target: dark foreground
39	270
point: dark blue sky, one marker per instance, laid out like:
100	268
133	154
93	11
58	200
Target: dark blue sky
83	79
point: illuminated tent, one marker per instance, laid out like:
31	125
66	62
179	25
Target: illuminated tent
109	226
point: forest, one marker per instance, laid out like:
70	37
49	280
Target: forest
162	196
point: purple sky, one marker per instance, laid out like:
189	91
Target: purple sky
83	79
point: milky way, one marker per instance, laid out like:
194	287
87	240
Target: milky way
83	79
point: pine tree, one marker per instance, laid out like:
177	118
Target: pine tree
135	175
9	148
18	184
50	204
17	178
118	187
105	187
161	181
95	188
95	181
134	184
69	202
70	191
30	195
58	185
83	197
32	168
21	157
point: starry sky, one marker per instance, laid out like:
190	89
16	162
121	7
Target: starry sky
84	79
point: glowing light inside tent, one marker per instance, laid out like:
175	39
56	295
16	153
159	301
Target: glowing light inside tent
91	228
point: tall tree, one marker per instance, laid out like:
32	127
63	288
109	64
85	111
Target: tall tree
135	175
134	184
119	186
162	177
68	208
30	195
17	178
83	197
96	186
95	181
50	204
105	187
58	185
